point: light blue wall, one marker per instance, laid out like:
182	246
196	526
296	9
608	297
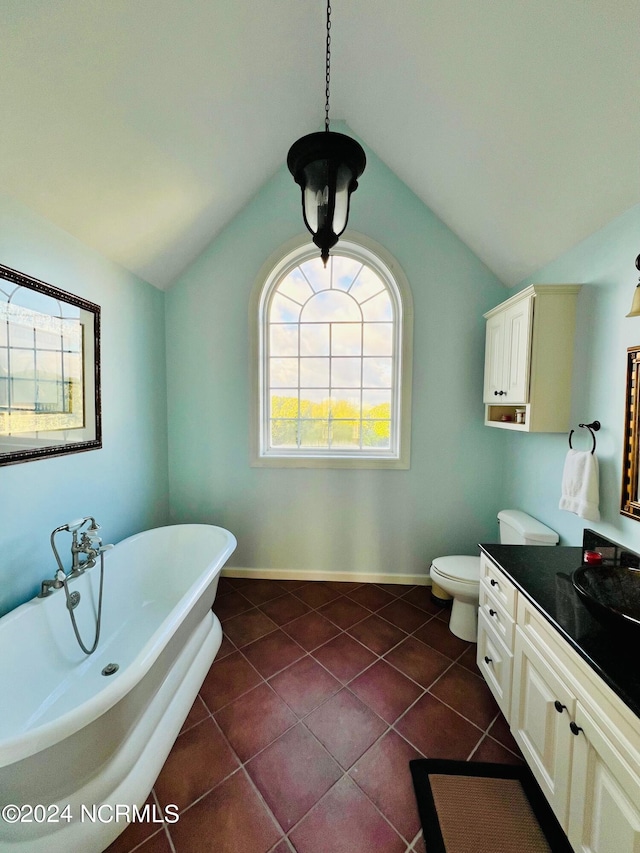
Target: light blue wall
604	263
125	484
336	520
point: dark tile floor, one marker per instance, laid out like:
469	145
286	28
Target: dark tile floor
301	735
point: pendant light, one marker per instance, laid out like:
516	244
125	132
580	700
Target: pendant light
327	166
635	305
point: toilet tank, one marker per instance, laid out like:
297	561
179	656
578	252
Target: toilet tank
518	528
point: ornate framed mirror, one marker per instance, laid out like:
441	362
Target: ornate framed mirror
49	370
630	503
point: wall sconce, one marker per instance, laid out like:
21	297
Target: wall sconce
635	305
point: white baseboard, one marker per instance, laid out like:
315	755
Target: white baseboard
300	575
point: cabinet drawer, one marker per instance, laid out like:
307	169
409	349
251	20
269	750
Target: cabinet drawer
495	662
502	589
496	615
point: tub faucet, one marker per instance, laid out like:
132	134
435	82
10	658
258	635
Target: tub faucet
89	544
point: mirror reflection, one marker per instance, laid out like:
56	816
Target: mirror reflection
630	504
49	370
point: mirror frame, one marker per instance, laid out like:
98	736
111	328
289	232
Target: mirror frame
630	502
45	447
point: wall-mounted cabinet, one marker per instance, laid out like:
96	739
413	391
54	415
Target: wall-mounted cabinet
529	359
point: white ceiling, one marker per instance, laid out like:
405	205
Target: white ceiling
143	126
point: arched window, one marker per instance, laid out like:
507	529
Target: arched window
333	361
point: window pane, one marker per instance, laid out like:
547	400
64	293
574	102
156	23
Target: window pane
314	433
284	406
330	305
21	335
376	373
72	336
319	278
345	403
283	339
378	339
346	372
367	285
314	403
48	339
314	372
314	339
345	433
346	339
376	404
296	286
345	271
283	310
284	433
378	308
283	372
376	434
22	363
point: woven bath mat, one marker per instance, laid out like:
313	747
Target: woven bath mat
469	807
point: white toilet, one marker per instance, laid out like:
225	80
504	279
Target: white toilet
460	576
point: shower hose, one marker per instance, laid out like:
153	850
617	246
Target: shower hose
70	608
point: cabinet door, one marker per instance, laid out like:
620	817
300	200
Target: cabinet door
542	707
605	792
517	352
494	360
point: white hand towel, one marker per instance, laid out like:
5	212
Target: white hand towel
580	485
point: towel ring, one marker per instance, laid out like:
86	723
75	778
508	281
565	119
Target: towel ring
593	428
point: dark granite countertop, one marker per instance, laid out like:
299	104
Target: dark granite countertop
544	576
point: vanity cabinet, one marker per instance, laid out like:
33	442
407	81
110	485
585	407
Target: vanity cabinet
496	627
580	740
529	359
542	706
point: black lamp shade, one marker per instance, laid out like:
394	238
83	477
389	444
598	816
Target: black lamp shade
327	166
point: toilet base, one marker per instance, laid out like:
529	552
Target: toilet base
464	620
439	596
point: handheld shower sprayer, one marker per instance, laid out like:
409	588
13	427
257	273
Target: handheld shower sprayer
89	544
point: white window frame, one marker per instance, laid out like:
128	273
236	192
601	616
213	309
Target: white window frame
294	253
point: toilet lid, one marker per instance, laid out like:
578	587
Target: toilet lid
459	568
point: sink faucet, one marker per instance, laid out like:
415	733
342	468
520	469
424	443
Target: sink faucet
89	544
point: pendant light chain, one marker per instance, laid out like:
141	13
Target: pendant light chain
328	67
326	166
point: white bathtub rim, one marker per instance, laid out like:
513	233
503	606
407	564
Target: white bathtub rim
17	747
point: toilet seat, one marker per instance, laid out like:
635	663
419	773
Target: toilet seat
458	568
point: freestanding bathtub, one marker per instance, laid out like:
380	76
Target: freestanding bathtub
74	743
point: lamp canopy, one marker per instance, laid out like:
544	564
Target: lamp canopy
326	166
635	305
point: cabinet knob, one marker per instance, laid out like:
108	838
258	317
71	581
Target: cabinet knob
492	612
493	582
575	729
559	706
487	659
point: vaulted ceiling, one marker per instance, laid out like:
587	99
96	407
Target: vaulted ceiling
143	126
